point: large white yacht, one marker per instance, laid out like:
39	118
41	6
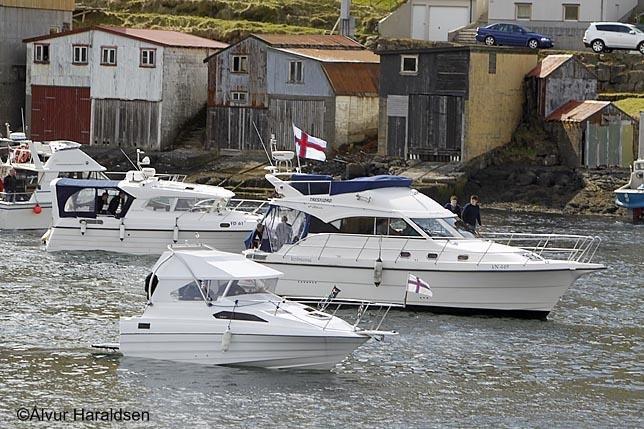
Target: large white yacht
143	215
368	236
36	165
211	307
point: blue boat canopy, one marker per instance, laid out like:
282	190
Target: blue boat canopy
83	183
367	183
311	178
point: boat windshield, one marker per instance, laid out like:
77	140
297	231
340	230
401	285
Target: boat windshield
213	289
442	228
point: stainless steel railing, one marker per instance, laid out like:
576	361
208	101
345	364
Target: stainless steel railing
578	248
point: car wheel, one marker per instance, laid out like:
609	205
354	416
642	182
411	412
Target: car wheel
490	41
533	44
598	45
640	48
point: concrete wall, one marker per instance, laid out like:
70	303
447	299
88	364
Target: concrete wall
356	118
17	24
495	104
185	79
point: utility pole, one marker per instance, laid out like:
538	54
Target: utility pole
346	21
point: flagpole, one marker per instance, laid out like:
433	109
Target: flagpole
297	154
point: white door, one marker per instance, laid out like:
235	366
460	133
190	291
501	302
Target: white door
443	19
419	22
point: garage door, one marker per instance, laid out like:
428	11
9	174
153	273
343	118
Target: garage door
443	19
60	113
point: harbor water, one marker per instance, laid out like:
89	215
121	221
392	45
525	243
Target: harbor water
583	367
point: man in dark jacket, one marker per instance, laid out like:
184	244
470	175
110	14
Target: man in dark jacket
453	206
471	213
10	186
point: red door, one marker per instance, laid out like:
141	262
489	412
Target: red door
60	113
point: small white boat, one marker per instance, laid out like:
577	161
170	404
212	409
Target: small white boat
142	215
631	195
36	165
369	236
211	307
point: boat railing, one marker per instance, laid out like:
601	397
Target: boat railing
169	177
569	247
16	197
248	206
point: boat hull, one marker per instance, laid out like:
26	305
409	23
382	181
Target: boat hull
139	241
255	350
524	293
629	199
19	216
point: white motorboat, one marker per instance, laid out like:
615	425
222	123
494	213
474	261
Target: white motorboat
143	215
369	236
211	307
36	165
631	195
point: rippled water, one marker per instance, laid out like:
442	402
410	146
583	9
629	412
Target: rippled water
583	367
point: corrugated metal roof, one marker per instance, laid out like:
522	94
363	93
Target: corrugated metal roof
309	41
335	55
353	78
548	65
157	37
577	111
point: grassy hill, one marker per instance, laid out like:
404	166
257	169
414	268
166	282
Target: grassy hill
230	20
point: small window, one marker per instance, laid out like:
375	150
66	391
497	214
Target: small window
41	53
239	98
159	204
108	55
79	54
240	64
185	204
491	67
148	57
408	64
571	12
82	201
296	72
523	10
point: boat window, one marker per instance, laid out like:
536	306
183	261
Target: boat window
283	226
460	227
189	292
357	225
377	226
82	201
316	226
250	286
159	204
185	204
438	228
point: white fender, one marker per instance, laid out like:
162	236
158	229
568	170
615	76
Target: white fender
83	227
225	340
122	231
377	272
175	232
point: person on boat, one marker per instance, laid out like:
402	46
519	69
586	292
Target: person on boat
258	234
453	206
471	214
116	203
283	233
10	186
102	203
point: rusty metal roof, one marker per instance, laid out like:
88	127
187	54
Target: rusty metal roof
157	37
577	111
335	55
324	41
548	65
353	78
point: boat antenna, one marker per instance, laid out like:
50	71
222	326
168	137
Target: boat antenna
22	115
128	158
261	140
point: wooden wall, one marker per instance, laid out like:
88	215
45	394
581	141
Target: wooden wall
127	123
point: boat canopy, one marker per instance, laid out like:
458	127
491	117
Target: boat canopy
77	184
317	184
207	264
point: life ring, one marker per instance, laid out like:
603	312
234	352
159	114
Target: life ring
21	155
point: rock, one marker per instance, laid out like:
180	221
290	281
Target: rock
203	180
563	181
546	179
526	178
354	170
550	160
603	72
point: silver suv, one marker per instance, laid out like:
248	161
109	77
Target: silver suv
606	36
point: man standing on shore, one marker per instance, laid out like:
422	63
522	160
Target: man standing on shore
453	206
471	213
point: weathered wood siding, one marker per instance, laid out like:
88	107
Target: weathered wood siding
315	117
437	126
232	128
126	123
571	81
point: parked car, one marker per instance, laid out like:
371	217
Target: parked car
512	35
606	36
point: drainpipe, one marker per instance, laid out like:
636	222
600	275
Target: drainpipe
602	11
471	11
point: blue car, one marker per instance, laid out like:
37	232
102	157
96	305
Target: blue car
512	35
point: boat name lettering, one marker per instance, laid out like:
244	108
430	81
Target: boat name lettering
320	199
500	266
300	259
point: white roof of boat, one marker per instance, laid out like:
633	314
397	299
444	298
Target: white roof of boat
67	156
207	264
152	187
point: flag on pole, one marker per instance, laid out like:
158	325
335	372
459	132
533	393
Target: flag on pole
418	285
307	146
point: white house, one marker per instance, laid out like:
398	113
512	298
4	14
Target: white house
565	20
115	86
431	19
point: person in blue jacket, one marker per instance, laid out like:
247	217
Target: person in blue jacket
471	214
453	206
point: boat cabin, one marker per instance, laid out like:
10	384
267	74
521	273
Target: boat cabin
203	274
381	206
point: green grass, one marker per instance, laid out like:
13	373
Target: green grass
230	20
632	106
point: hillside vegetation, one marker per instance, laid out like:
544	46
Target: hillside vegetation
230	20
